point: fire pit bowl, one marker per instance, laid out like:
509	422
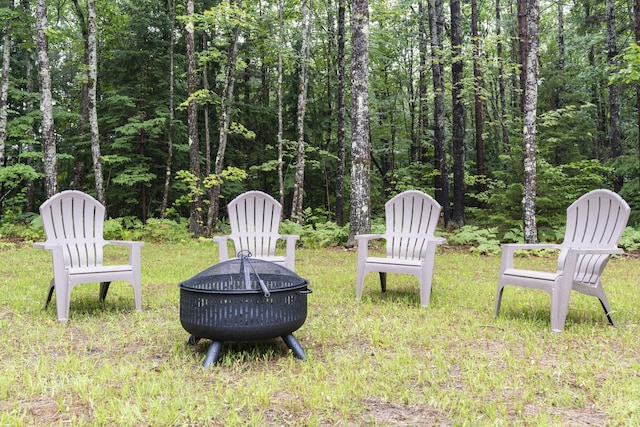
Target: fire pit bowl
243	299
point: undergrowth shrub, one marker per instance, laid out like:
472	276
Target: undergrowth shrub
482	241
630	240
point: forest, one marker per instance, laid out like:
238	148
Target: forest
166	109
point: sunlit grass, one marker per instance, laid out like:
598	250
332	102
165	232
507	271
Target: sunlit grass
382	360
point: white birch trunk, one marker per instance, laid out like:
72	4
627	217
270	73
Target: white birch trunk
530	107
195	215
280	107
4	89
226	100
298	186
46	103
360	214
92	85
167	173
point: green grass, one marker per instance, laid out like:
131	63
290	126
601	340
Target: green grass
382	360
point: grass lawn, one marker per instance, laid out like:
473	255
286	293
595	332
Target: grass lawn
382	360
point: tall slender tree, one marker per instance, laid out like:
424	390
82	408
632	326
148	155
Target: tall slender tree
477	99
341	112
4	87
614	91
530	110
46	102
169	162
303	83
502	92
636	28
360	213
226	104
92	96
418	152
459	122
436	27
195	215
280	137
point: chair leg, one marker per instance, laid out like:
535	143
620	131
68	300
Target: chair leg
63	298
498	300
360	281
383	281
559	306
51	289
425	288
104	288
607	310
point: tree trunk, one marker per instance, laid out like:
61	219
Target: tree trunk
522	47
436	26
614	92
167	173
502	108
559	90
530	106
4	89
423	46
92	88
211	215
298	185
477	100
195	215
280	106
360	214
458	130
341	111
226	101
46	102
636	27
330	70
83	120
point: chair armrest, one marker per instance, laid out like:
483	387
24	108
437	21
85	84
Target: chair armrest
363	245
128	243
134	249
290	249
290	241
44	245
365	238
223	249
439	240
596	251
509	249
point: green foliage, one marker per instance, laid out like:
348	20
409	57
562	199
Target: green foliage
25	227
317	235
557	188
13	178
629	69
630	240
197	187
482	241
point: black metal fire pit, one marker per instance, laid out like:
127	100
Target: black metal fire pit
243	299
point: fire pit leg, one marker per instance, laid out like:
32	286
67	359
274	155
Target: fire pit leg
295	346
212	354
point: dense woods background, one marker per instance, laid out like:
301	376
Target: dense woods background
168	109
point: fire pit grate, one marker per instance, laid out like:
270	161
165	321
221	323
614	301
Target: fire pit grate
243	299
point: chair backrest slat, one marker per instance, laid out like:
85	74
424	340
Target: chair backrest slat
411	218
75	220
255	218
596	219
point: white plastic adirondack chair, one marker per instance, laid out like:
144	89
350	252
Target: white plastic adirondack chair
411	219
73	223
595	223
255	219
